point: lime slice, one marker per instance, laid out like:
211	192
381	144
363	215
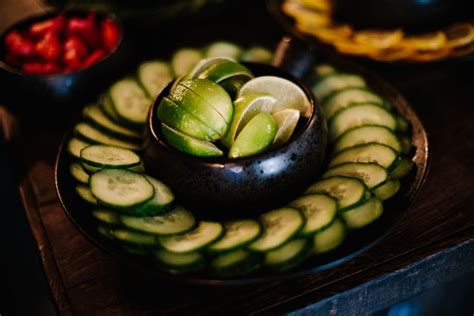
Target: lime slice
255	137
246	107
223	70
286	121
223	49
187	94
205	64
257	54
287	94
184	60
233	85
176	117
188	144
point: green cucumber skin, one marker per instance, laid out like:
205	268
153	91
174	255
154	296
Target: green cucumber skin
294	261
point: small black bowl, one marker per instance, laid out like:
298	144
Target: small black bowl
230	188
35	95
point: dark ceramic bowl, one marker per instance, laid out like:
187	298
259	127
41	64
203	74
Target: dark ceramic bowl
412	15
229	188
34	95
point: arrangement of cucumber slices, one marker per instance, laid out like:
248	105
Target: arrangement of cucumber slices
369	146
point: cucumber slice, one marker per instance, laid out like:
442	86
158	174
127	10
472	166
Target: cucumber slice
387	189
140	168
342	99
106	216
235	263
89	169
176	221
402	124
130	101
223	49
94	135
75	145
160	203
318	209
85	193
402	169
279	226
188	144
179	262
154	76
120	188
257	54
371	174
105	156
201	236
238	233
289	255
377	153
330	238
135	238
347	191
99	119
363	214
405	142
323	70
336	81
78	173
108	107
184	60
359	115
367	134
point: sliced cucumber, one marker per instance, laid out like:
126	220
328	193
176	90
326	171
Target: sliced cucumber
108	107
344	98
201	236
363	214
78	173
99	119
120	188
106	156
176	221
387	189
319	211
330	238
75	145
289	255
373	152
160	203
235	263
405	142
94	135
323	70
154	76
257	54
402	124
106	216
135	238
89	169
85	193
336	81
370	173
238	233
223	49
130	101
402	169
359	115
140	168
184	60
367	134
179	262
347	191
279	226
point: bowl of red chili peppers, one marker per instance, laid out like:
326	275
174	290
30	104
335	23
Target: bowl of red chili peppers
61	57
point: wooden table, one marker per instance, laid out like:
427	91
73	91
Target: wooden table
434	244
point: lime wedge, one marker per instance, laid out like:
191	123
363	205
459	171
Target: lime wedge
287	94
184	60
246	107
257	54
205	64
188	95
224	69
223	49
255	137
188	144
176	117
286	121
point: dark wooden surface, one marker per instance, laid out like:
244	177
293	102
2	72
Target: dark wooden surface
435	243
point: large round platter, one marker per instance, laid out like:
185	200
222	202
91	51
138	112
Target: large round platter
357	241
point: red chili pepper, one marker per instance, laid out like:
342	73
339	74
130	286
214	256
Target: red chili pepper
94	57
19	45
55	25
110	34
86	29
74	50
49	47
39	68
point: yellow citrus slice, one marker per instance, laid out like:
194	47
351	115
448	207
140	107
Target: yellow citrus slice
378	39
352	48
429	55
392	53
425	42
459	35
320	5
463	51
